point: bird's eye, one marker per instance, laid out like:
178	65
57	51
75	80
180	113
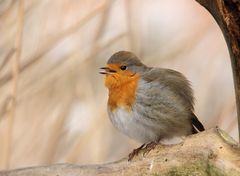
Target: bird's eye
123	67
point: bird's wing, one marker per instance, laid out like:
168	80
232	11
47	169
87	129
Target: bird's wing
171	81
165	97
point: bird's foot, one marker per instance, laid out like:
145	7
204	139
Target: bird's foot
135	152
150	146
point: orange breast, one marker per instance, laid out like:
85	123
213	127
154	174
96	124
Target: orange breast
122	91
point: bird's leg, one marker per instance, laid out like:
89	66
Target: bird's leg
135	152
150	146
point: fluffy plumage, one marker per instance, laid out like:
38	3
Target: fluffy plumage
148	104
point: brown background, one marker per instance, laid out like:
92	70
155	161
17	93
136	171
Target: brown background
53	108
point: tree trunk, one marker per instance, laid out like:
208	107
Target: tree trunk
227	15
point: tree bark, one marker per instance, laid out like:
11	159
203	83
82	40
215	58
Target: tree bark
227	15
211	152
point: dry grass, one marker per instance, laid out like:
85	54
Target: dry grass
53	102
15	74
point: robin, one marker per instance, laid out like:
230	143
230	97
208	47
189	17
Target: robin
148	104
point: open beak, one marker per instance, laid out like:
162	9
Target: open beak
106	70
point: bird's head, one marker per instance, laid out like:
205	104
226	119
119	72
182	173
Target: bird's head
122	68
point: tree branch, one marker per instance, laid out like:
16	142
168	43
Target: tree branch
211	152
227	15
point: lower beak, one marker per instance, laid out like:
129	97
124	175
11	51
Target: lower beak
106	70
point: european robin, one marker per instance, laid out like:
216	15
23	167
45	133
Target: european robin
148	104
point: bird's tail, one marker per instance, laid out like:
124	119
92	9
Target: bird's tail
197	126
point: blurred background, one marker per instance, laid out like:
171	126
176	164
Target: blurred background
52	99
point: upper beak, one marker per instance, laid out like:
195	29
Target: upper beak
106	70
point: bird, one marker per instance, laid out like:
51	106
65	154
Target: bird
148	104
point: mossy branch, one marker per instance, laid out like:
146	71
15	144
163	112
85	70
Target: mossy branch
211	152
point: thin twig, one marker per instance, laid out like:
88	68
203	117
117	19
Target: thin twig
7	10
57	130
4	108
100	31
52	42
130	24
15	75
53	71
7	58
104	20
